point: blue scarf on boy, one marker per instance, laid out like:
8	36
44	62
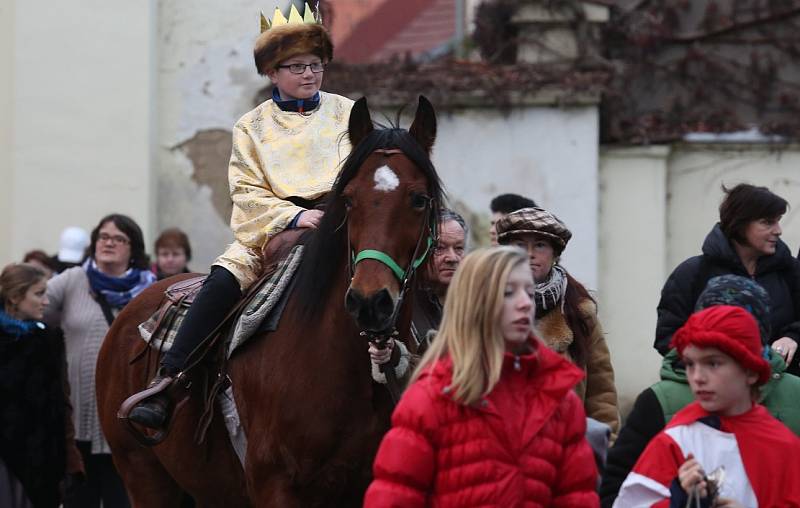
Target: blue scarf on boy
118	291
296	105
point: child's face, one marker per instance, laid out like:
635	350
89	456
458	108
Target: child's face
516	322
297	86
718	382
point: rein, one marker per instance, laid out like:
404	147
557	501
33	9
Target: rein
381	339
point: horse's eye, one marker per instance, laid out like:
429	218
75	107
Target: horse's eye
348	203
419	201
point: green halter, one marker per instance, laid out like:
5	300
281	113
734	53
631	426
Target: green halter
391	263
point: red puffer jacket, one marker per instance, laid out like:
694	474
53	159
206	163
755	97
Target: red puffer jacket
523	446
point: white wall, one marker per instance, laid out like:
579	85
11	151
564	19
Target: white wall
545	153
6	126
657	206
82	111
698	171
633	246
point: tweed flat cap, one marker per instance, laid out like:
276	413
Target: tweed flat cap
533	221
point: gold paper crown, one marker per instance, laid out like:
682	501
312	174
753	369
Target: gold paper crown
309	16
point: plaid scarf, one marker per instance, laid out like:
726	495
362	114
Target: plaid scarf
118	291
548	293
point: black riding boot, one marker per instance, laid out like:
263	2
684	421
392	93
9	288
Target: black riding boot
219	294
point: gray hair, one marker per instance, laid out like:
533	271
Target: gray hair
446	214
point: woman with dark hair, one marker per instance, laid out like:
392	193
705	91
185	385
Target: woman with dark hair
746	241
37	451
84	301
173	252
42	261
566	315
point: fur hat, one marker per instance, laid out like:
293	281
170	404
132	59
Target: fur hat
282	42
535	221
730	329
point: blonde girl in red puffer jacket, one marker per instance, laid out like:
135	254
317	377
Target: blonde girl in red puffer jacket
491	418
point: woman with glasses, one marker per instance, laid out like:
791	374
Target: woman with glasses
83	301
286	156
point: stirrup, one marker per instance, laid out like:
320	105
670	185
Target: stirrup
154	389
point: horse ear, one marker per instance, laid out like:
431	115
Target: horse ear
423	129
360	124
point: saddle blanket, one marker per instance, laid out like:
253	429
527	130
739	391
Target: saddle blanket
159	331
260	314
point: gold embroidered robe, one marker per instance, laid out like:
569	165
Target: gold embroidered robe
276	155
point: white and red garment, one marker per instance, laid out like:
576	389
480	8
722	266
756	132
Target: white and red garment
760	455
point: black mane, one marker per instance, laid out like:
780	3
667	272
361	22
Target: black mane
325	257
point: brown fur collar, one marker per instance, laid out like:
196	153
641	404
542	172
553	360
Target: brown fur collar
553	330
285	41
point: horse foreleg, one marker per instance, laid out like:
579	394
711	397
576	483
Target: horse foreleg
149	484
274	491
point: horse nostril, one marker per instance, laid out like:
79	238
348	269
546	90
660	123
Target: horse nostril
384	304
352	301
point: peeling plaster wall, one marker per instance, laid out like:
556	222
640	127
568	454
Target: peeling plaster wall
206	81
81	106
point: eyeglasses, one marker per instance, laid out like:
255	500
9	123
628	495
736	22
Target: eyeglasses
115	239
299	68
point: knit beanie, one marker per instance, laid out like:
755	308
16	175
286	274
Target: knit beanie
730	329
740	292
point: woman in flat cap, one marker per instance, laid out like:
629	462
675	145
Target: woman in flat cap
566	315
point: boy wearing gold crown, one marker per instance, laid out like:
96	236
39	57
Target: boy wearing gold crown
285	158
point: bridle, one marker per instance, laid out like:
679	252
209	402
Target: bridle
425	241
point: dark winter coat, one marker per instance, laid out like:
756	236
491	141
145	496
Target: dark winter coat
425	318
778	274
522	446
658	404
33	412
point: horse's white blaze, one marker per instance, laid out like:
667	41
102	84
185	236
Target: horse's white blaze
385	179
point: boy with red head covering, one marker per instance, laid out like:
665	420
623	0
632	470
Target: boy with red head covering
724	435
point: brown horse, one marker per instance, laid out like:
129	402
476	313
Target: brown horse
312	414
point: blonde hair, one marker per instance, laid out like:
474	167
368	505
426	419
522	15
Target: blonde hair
470	332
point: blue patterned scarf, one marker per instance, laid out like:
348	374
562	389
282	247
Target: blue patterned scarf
17	327
297	105
118	291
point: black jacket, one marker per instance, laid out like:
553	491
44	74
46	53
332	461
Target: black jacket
33	412
778	273
426	318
